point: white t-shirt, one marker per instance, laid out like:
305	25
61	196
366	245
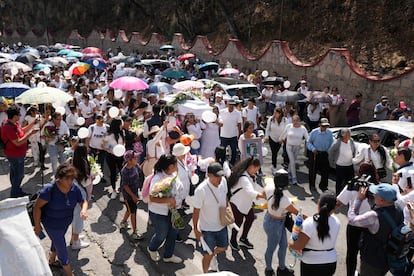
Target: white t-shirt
163	208
316	114
84	109
283	203
243	199
97	135
71	120
347	197
230	122
274	129
320	257
345	155
209	219
404	172
294	135
251	114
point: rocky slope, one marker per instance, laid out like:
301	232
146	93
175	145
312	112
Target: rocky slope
377	33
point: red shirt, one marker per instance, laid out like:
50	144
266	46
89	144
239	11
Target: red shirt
10	132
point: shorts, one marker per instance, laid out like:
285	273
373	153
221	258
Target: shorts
131	206
215	239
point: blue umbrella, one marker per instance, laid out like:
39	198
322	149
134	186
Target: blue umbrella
160	87
31	51
64	52
211	65
74	54
41	66
12	89
174	73
167	48
97	63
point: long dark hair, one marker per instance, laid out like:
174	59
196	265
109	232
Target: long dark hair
164	162
381	149
277	196
115	129
240	168
280	111
327	203
220	154
81	162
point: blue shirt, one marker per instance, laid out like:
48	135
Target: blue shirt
58	212
320	140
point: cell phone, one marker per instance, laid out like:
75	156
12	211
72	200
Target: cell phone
42	235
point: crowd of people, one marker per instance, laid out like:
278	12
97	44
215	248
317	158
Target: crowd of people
189	155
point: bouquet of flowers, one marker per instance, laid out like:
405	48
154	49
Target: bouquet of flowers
51	131
163	189
96	170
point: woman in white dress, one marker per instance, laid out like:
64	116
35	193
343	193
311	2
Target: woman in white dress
210	139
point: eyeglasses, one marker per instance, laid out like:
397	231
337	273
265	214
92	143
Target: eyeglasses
375	141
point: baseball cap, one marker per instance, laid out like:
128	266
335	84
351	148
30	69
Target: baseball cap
179	149
384	98
218	94
403	105
130	154
231	101
385	191
325	122
215	169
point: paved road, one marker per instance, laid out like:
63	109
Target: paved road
112	253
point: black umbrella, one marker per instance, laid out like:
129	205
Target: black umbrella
320	97
288	96
28	58
273	81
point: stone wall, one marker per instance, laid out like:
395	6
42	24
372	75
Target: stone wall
334	68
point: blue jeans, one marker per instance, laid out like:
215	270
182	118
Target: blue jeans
16	175
276	235
163	231
56	156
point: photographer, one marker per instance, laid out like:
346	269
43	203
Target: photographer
353	233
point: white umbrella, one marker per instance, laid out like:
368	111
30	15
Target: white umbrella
188	85
43	94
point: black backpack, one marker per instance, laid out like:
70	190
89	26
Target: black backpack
32	201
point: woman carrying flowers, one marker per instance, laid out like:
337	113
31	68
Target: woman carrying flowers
165	194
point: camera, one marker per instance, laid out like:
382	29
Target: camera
359	182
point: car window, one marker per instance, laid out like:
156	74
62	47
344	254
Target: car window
362	134
389	137
247	92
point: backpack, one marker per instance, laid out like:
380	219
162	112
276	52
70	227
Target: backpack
399	241
146	188
32	201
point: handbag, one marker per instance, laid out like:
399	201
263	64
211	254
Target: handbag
289	222
382	172
226	213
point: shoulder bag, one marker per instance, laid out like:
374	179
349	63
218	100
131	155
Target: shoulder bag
226	213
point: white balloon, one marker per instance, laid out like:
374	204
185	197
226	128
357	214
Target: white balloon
265	74
60	109
186	62
46	70
194	179
209	116
95	62
118	93
265	151
83	132
66	73
195	144
119	150
113	112
14	71
41	85
286	84
80	121
96	180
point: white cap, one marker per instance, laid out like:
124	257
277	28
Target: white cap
218	94
97	92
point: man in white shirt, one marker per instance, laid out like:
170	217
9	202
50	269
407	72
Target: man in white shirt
251	113
97	132
209	196
230	130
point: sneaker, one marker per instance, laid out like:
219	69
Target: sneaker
214	265
81	237
294	181
124	225
121	198
246	243
113	195
270	272
234	245
155	256
173	259
274	170
136	236
285	272
79	244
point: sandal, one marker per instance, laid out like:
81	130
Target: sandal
55	264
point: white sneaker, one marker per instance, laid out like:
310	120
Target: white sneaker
274	170
155	256
173	259
81	237
214	265
114	195
79	244
121	198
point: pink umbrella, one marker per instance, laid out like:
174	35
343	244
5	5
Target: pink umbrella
92	50
229	71
188	84
185	56
129	83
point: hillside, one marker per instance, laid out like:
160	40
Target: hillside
377	33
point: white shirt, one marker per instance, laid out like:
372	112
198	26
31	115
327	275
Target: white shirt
96	135
243	199
184	174
345	154
251	114
163	208
195	130
404	172
84	109
316	114
274	129
209	219
230	122
320	257
71	121
62	130
283	203
347	197
154	150
240	144
364	154
294	135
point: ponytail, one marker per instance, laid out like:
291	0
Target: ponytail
327	203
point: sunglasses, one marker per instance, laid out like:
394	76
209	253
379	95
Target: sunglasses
375	141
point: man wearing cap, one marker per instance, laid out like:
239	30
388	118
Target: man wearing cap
382	109
231	121
319	141
251	113
219	101
184	173
398	111
209	196
373	255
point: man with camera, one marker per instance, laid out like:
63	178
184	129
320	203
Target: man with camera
374	257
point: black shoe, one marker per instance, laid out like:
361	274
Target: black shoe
103	180
285	272
234	245
179	239
269	272
323	189
246	243
43	167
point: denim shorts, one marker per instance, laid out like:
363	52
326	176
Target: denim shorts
215	239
